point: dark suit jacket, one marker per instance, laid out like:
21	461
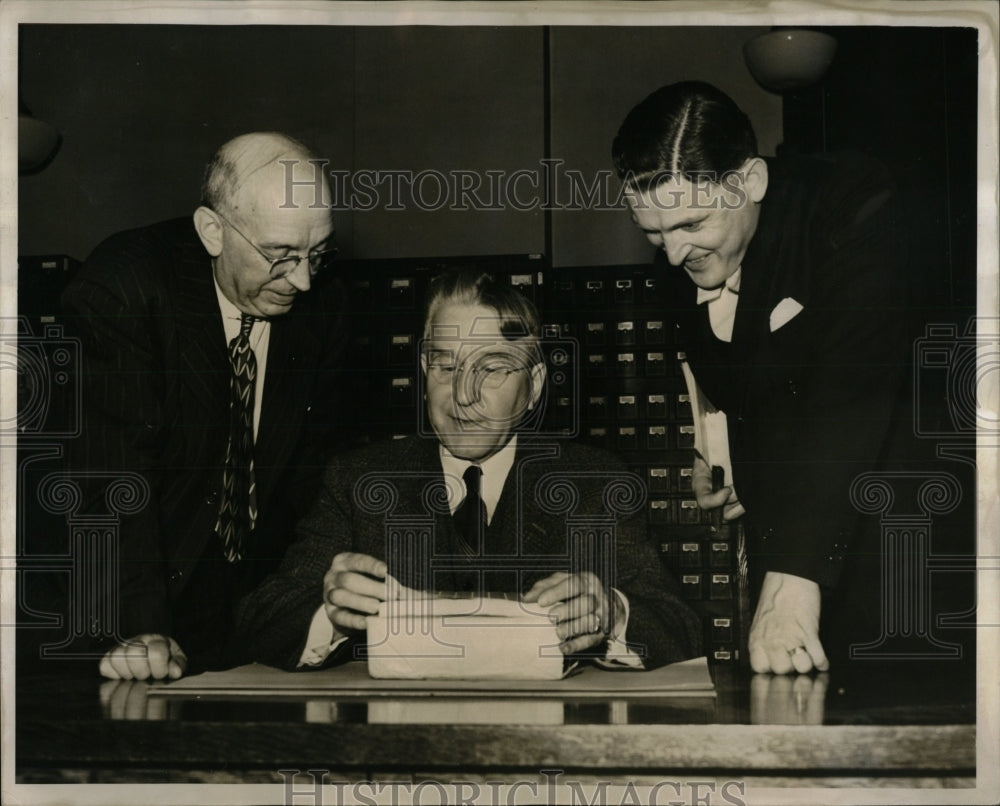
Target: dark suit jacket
387	498
810	405
155	398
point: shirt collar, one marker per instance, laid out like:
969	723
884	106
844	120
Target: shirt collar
711	294
495	471
229	311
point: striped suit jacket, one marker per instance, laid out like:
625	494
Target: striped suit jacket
155	401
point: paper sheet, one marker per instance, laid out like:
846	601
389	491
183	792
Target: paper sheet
688	678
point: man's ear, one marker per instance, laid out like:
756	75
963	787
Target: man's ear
538	376
755	178
208	225
423	363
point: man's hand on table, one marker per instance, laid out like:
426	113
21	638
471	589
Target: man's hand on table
145	656
579	607
784	635
353	589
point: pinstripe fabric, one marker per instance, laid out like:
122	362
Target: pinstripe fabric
155	400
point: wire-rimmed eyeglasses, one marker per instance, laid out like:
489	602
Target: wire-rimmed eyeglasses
489	371
281	266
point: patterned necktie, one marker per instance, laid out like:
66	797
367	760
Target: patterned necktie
238	511
470	517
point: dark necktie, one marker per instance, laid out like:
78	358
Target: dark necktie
238	511
470	517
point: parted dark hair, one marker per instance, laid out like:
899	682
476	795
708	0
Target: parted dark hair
690	130
518	316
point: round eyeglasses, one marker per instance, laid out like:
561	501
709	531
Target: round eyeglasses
279	267
489	372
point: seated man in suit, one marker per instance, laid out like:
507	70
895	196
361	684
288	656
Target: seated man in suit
209	369
504	527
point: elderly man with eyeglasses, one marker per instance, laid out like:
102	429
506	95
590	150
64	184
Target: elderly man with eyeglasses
209	375
480	506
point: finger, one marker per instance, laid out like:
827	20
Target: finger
134	652
157	656
569	589
119	663
733	510
394	589
360	584
707	499
106	669
344	598
343	619
361	563
759	661
543	585
580	643
779	660
178	661
584	625
585	609
815	649
802	662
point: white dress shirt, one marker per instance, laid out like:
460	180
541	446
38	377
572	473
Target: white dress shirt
320	640
722	302
495	470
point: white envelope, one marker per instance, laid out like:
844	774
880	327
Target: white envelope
784	312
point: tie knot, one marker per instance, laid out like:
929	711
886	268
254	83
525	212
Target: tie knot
472	477
246	324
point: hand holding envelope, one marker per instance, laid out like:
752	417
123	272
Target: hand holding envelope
580	608
353	588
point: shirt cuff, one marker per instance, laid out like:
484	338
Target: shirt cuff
320	641
618	653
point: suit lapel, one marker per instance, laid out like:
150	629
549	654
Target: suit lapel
291	361
202	354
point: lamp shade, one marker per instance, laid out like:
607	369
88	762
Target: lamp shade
789	59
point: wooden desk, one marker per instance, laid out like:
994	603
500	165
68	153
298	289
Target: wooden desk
876	727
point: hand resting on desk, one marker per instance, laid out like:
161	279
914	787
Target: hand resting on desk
580	608
353	588
144	656
784	635
583	613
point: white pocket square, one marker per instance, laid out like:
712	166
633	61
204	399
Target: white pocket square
784	312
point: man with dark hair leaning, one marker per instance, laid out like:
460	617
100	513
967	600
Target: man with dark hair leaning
208	370
499	532
786	282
